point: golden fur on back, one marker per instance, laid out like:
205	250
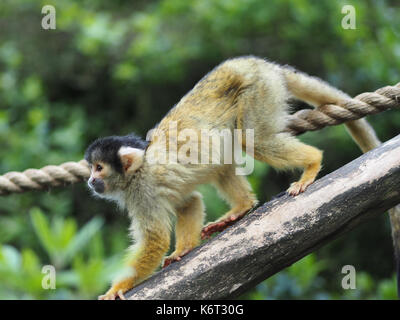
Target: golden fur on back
241	93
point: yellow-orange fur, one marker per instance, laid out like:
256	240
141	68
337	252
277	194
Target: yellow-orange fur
242	93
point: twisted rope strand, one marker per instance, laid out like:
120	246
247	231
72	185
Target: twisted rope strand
304	120
48	176
329	115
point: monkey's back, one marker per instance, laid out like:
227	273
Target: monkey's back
242	93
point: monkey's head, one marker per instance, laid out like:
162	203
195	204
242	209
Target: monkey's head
113	160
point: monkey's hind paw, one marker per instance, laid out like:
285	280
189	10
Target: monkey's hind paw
298	187
174	258
219	226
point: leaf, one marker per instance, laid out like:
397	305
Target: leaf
68	233
30	261
10	258
42	230
83	237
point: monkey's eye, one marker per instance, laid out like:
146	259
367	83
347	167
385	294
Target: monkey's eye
99	167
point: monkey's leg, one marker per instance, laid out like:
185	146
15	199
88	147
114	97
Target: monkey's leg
190	219
141	262
284	152
238	192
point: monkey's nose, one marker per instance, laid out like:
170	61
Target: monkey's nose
91	182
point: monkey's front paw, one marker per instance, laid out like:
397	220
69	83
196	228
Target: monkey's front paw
118	290
219	226
112	296
176	256
298	187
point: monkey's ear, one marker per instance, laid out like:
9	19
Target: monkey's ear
131	158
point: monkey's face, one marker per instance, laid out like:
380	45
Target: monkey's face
108	179
113	161
99	174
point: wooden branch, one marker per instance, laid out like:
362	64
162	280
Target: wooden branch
282	231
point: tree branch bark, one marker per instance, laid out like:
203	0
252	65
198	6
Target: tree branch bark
282	231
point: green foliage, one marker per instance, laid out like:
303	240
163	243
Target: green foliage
62	241
305	280
112	67
67	250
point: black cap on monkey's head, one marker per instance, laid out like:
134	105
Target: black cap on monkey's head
107	149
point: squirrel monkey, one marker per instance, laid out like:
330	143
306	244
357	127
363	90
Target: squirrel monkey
241	93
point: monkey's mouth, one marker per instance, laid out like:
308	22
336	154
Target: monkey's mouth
97	186
99	189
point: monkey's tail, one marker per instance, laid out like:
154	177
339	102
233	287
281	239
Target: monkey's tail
317	92
394	214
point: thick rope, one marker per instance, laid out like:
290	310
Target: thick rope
305	120
330	115
39	179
